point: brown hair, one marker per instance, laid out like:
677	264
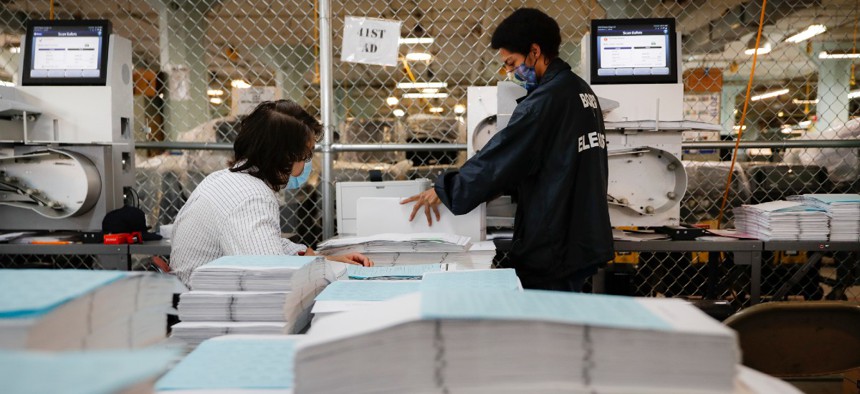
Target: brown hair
273	137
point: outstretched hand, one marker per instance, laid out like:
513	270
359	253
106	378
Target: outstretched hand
428	200
352	258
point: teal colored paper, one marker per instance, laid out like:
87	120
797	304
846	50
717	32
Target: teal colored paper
362	290
281	261
94	372
35	292
552	306
234	364
398	271
495	279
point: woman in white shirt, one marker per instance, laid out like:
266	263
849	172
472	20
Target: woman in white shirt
235	211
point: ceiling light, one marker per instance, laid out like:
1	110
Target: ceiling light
796	101
459	109
239	84
399	113
416	40
392	101
437	110
422	85
766	48
418	56
854	94
429	90
838	55
215	92
810	32
424	95
768	95
216	100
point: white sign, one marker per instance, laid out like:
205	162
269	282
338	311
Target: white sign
370	41
246	99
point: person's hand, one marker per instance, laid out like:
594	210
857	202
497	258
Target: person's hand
429	201
308	252
352	258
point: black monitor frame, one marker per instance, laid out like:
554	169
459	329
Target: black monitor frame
670	78
101	80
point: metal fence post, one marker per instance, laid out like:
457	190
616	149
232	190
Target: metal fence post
327	108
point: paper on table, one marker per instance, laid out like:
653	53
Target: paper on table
401	271
367	290
588	309
34	292
492	279
228	364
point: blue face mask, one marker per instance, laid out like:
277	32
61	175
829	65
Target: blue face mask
526	77
296	182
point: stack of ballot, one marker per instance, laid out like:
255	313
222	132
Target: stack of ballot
105	371
782	221
517	342
82	309
404	272
236	364
394	243
479	256
238	295
347	295
843	210
232	306
248	273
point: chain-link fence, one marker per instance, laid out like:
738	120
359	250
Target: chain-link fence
200	64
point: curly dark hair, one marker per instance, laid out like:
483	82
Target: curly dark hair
527	26
273	137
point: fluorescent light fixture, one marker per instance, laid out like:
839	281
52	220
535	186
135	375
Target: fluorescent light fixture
392	101
429	90
854	94
810	32
422	85
15	49
418	56
399	113
459	109
838	55
768	95
416	40
761	50
216	100
424	95
796	101
215	92
239	84
437	110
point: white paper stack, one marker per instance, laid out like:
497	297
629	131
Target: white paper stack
193	333
234	364
116	371
783	221
393	242
479	256
248	273
82	309
843	210
232	306
517	342
347	295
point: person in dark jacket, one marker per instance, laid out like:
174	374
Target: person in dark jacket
552	153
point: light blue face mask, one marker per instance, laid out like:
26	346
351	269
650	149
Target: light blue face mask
296	182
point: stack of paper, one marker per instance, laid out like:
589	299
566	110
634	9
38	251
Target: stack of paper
232	306
347	295
82	309
236	364
782	221
387	243
126	372
248	273
193	333
843	210
403	272
517	342
474	280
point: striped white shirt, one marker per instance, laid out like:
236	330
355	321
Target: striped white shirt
229	213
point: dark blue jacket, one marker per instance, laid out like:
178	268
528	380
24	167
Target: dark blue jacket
553	153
